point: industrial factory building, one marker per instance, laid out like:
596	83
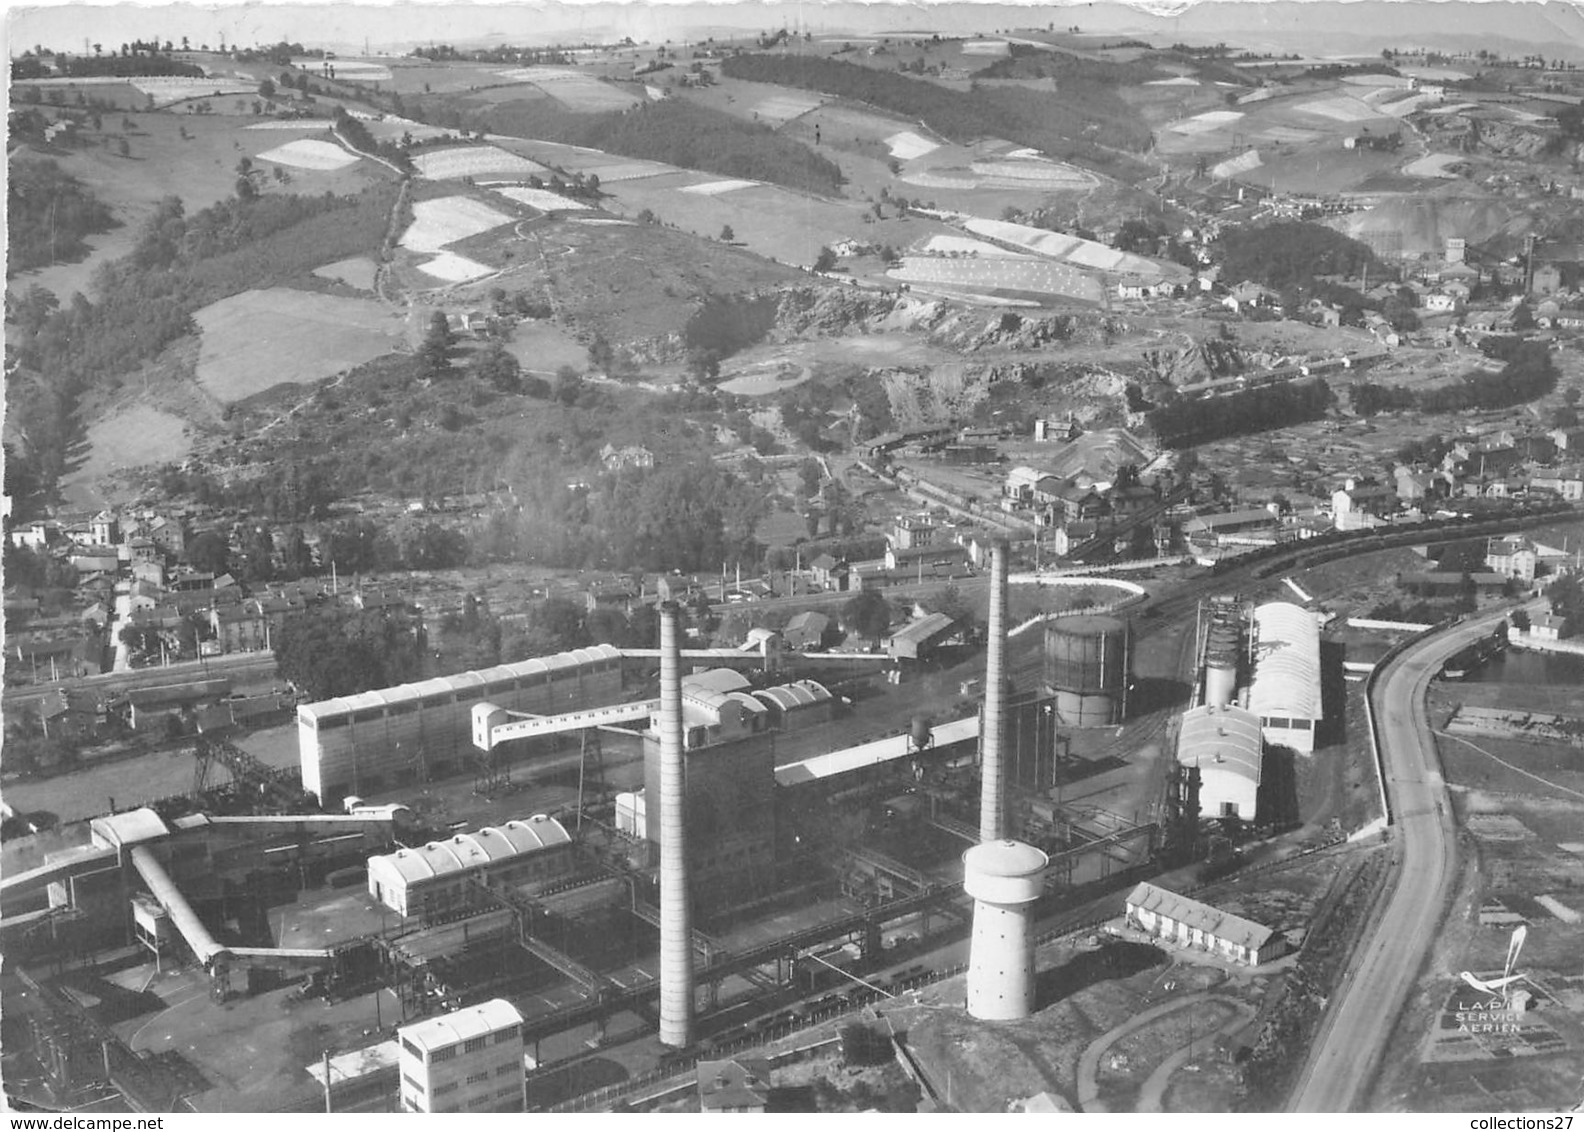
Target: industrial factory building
470	1060
729	803
399	736
1088	667
1224	742
1285	690
1188	923
804	703
434	880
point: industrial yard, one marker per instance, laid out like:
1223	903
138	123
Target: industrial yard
833	860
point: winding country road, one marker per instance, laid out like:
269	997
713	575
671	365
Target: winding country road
1364	1009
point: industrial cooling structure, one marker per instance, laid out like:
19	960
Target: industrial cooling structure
1088	667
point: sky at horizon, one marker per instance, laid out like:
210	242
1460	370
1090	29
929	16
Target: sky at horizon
399	26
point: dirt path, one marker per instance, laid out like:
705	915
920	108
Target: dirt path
1089	1064
1154	1088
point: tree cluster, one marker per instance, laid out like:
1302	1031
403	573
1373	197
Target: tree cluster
126	65
339	651
1528	375
49	214
1183	424
1289	252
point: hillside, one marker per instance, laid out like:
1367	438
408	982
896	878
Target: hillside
1068	126
675	131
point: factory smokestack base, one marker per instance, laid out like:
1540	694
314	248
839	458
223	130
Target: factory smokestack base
992	782
1004	878
676	920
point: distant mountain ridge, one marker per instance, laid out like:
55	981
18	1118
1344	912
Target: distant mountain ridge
1553	28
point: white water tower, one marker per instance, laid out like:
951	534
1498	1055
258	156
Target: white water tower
1004	878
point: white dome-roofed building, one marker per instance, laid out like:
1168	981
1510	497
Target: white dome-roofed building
1285	690
432	880
1226	745
799	704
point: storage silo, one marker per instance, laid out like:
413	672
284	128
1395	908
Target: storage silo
1088	666
1221	663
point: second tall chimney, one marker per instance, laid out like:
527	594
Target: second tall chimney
992	790
676	919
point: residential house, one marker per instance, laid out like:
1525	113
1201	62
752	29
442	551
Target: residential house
169	534
1549	626
1360	504
57	657
1568	439
38	535
95	563
806	630
151	572
1066	538
240	628
1512	557
830	573
1567	483
739	1084
1020	483
1439	302
1417	484
633	456
1071	501
1049	430
104	529
911	533
142	549
1248	295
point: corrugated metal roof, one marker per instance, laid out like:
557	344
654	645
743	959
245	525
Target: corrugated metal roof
460	1025
926	628
473	850
127	828
446	685
716	680
790	696
1287	662
1221	925
1226	738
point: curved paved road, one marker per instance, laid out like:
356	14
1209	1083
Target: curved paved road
1351	1044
